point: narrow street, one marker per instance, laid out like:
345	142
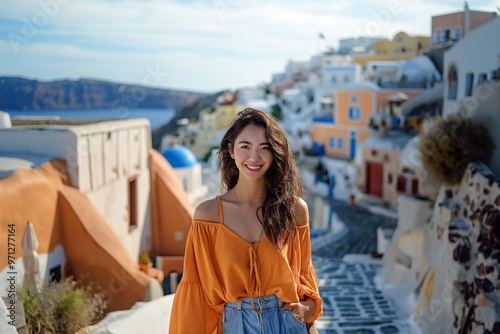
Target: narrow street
353	301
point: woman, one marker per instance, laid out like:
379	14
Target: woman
247	265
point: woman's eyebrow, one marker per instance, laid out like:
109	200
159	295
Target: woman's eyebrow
247	142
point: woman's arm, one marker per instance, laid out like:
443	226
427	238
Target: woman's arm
309	308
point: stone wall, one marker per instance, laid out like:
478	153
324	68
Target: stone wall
461	243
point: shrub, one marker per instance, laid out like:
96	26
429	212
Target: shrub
451	143
61	307
277	112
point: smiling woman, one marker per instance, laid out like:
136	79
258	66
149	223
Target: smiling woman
247	265
251	153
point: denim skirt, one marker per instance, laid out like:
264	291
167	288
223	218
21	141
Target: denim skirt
265	316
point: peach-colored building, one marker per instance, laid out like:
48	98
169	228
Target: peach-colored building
348	126
97	194
449	28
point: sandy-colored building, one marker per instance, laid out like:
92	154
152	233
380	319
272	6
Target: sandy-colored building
378	167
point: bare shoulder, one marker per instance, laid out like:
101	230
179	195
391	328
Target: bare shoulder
301	212
207	211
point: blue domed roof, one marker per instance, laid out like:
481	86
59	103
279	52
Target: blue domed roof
179	157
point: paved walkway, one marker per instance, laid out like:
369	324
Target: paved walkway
352	301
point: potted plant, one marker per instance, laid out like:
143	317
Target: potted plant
350	188
145	261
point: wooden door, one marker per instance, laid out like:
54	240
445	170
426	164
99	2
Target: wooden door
374	179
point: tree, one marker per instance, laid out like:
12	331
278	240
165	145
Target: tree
276	112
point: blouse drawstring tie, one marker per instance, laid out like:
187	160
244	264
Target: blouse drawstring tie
254	277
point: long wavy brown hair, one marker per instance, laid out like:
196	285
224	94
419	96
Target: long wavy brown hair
283	181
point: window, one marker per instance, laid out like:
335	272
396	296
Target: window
441	36
55	274
354	113
331	142
407	185
452	83
482	77
401	185
458	32
346	78
469	83
340	143
132	203
334	79
447	35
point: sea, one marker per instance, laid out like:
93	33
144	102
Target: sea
157	117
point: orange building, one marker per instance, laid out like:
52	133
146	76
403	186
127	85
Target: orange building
46	178
341	133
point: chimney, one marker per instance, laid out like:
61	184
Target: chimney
5	120
467	19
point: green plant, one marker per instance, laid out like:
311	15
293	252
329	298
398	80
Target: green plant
61	307
144	257
277	112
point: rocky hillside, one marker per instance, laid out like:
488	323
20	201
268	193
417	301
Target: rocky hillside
190	111
25	94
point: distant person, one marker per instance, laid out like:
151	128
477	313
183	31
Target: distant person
331	186
247	266
320	170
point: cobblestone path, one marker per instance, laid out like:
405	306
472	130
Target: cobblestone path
352	301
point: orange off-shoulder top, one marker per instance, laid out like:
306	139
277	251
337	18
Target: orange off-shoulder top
220	267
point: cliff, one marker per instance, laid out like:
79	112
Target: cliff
190	111
26	94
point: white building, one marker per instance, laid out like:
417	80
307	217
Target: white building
468	63
362	44
417	72
188	170
334	76
103	159
252	98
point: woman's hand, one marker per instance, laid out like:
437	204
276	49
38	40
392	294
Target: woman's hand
302	310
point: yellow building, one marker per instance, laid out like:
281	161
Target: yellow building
211	121
401	47
225	114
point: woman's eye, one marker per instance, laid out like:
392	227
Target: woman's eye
266	148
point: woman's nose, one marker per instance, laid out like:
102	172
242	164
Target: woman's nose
254	154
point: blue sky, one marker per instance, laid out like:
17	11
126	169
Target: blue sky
200	45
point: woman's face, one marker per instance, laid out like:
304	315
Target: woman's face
251	152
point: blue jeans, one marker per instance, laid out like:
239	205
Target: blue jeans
241	318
